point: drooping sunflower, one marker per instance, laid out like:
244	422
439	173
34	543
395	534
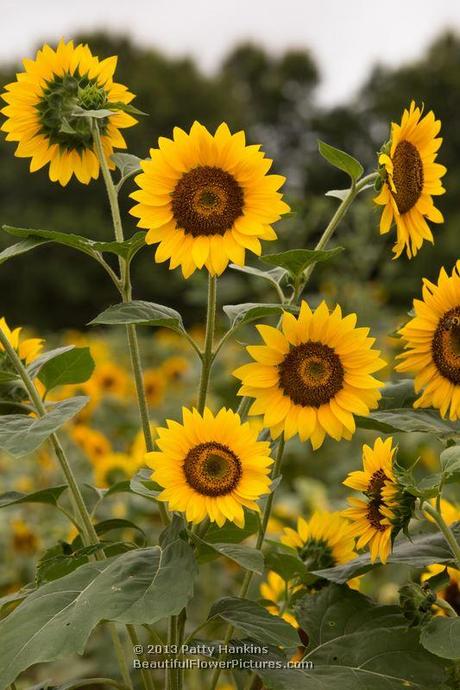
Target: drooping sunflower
207	198
321	542
432	345
312	375
211	466
44	105
386	508
28	349
411	178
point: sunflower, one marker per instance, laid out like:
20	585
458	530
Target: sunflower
321	542
410	180
211	466
23	539
113	467
44	107
92	442
28	350
110	379
374	519
312	375
432	345
206	199
175	368
154	386
275	590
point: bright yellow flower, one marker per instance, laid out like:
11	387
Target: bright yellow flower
93	443
206	199
175	368
24	539
41	111
312	375
110	379
373	518
412	178
28	350
138	450
110	468
211	466
275	589
154	386
323	541
432	344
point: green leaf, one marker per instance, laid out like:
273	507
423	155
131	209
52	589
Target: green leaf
341	160
450	464
295	261
99	114
286	564
239	314
59	560
49	496
423	550
74	366
127	164
441	636
37	364
247	557
230	533
139	587
116	524
20	248
274	275
21	435
254	620
8	377
407	420
143	485
398	394
141	313
338	193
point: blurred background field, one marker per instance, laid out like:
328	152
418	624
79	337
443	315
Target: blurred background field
273	95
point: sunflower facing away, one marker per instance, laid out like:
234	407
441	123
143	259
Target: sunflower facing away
43	106
411	178
322	541
211	466
207	198
312	375
28	350
373	518
432	344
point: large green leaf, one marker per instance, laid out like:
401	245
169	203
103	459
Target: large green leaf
450	464
423	550
255	620
246	556
274	275
138	587
239	314
49	496
354	644
441	636
40	361
141	313
340	159
295	261
21	435
20	248
73	366
407	420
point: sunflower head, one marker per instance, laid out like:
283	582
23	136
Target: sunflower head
312	375
276	592
46	111
92	442
432	345
154	386
322	541
409	178
28	349
386	508
211	466
205	199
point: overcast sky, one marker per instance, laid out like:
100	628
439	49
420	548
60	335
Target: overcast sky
345	36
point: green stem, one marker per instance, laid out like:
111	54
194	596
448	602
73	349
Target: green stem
146	676
172	640
120	654
446	531
126	292
445	606
260	540
207	356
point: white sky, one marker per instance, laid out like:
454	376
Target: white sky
345	36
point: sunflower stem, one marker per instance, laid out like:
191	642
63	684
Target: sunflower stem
84	523
260	540
445	606
446	531
126	293
207	359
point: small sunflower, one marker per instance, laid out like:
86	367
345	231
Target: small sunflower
92	442
113	467
321	542
154	386
44	105
23	539
276	590
206	199
386	508
312	375
110	379
175	368
211	466
432	345
28	349
411	178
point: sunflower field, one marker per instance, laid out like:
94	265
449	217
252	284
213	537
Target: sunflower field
263	497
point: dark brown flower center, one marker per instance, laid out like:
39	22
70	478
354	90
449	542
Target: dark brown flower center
452	595
374	493
311	374
206	201
445	346
374	516
212	469
407	176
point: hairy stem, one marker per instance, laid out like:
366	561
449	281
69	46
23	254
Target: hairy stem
446	531
207	355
